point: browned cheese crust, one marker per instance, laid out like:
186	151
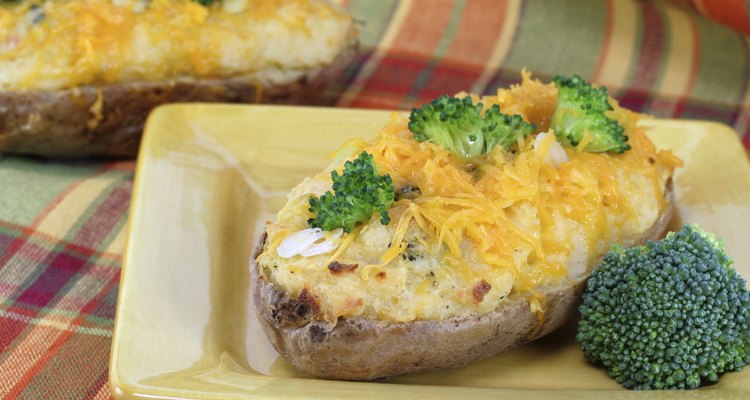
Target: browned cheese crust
107	120
365	349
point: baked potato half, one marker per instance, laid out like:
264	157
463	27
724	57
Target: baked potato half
79	77
362	348
474	256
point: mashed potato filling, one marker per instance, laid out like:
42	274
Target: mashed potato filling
66	43
463	236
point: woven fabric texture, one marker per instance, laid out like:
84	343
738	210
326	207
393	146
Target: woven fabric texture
62	224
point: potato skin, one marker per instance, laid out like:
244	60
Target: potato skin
66	123
364	349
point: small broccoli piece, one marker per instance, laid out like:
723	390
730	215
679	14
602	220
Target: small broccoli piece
580	115
504	129
459	126
359	192
667	315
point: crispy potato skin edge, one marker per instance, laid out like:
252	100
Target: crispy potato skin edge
364	349
65	124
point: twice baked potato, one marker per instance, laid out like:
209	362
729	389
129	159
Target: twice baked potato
480	255
79	77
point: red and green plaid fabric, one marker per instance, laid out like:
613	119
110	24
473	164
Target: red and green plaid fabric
661	58
62	223
61	244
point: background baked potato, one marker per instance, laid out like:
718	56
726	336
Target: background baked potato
79	77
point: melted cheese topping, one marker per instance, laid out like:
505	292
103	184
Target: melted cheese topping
66	43
510	221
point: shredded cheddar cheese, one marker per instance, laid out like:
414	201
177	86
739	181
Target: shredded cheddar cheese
66	43
509	223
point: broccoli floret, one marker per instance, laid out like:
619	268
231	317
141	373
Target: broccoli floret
580	114
667	315
504	129
359	192
459	126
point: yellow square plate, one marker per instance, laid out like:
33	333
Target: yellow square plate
208	178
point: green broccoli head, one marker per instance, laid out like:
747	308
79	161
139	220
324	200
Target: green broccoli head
580	114
667	315
459	126
359	192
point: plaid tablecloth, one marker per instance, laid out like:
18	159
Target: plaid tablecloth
62	224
